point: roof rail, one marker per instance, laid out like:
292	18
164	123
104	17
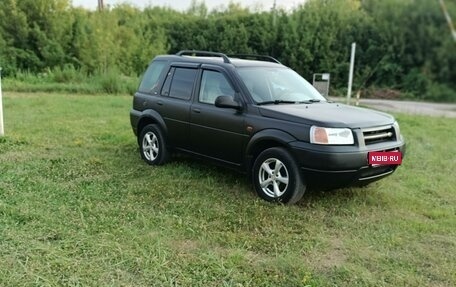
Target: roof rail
255	57
203	53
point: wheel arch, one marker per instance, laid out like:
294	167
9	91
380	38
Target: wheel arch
265	139
151	117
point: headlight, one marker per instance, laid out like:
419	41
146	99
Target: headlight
335	136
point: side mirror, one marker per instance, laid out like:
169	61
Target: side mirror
227	102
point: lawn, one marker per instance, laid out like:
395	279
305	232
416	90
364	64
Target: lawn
78	207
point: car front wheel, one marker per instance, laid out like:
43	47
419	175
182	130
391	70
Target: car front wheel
276	176
152	145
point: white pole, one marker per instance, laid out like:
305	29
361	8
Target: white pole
350	75
448	18
2	131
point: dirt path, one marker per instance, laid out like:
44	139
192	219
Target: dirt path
409	107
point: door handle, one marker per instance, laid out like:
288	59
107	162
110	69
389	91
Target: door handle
197	111
160	103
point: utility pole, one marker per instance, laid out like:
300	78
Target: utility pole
274	25
350	75
274	11
447	16
100	5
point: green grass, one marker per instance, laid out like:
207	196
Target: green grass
79	208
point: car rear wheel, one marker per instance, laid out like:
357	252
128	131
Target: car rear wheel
152	145
276	176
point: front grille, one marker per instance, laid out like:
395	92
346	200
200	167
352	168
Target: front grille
378	134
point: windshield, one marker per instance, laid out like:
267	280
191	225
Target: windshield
278	85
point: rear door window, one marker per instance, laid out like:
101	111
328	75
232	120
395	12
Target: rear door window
181	83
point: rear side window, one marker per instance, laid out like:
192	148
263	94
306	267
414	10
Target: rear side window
151	76
181	83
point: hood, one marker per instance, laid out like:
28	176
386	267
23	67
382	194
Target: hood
327	115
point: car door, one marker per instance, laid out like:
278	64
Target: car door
174	103
216	132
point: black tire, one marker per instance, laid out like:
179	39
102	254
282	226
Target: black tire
152	145
276	169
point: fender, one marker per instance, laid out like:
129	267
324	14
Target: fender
275	135
148	116
264	139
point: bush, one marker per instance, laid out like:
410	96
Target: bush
440	93
110	83
113	82
68	74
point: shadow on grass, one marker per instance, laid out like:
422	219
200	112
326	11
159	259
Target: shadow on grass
185	168
208	168
311	198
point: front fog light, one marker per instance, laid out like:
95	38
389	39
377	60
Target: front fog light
331	136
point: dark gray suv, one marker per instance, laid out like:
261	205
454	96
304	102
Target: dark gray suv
254	114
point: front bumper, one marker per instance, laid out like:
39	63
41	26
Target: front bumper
338	166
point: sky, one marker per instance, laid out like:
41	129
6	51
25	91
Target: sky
184	4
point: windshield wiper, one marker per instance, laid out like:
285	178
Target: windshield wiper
310	101
276	102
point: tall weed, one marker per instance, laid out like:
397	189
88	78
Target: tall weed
71	80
